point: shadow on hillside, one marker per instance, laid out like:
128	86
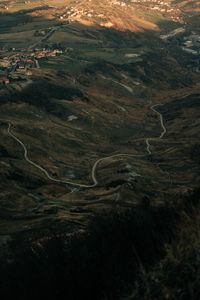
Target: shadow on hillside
104	261
154	69
9	21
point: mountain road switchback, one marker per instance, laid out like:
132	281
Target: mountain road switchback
95	165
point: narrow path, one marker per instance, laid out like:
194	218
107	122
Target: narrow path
128	88
93	172
53	29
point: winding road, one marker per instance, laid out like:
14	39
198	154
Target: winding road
162	125
93	172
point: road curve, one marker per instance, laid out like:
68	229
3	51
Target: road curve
93	172
95	182
39	167
162	125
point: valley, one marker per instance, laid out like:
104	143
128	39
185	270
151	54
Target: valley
99	109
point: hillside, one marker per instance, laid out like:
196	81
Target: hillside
99	112
92	104
99	149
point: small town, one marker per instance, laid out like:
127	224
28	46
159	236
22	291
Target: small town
18	64
157	6
165	8
72	12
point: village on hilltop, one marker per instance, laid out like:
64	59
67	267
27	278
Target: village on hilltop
19	64
157	6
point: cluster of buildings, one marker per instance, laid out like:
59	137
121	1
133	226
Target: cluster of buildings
17	65
163	7
73	12
116	2
190	43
